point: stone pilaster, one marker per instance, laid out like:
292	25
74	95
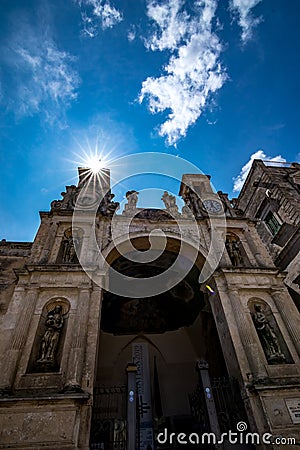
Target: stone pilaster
231	328
289	314
18	339
248	251
91	357
255	249
93	337
77	351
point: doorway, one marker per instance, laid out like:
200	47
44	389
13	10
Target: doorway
178	329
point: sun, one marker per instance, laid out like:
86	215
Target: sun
92	159
95	163
95	155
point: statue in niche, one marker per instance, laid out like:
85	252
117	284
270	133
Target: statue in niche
70	244
267	335
234	251
50	339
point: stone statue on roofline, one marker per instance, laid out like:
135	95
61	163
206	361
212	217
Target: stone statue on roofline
130	206
107	206
170	204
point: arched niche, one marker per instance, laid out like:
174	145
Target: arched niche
268	332
70	246
236	251
49	340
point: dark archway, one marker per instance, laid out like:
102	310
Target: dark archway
176	327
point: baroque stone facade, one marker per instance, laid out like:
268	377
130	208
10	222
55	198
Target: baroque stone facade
271	195
67	335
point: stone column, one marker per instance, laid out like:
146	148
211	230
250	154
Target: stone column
77	352
289	314
18	339
249	340
91	358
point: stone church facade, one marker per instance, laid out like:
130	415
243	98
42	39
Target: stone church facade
89	364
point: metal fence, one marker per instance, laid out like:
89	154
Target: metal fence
108	428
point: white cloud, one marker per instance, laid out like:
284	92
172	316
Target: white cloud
171	24
193	72
98	13
240	179
50	79
131	35
242	8
42	78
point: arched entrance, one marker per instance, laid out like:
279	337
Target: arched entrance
174	330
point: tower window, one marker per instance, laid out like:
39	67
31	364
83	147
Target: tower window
273	222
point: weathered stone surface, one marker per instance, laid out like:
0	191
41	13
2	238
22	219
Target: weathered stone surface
13	255
53	408
48	423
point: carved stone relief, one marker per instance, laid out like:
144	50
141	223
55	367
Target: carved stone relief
107	206
193	205
69	199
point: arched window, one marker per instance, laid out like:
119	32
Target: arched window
49	340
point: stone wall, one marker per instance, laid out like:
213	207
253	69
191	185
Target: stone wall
13	256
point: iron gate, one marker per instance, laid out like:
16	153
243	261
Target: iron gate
108	428
228	402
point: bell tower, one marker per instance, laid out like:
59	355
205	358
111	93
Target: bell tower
52	319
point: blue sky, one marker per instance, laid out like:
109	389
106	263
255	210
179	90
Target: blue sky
214	82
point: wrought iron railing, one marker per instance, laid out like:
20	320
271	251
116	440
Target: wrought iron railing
228	403
108	428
